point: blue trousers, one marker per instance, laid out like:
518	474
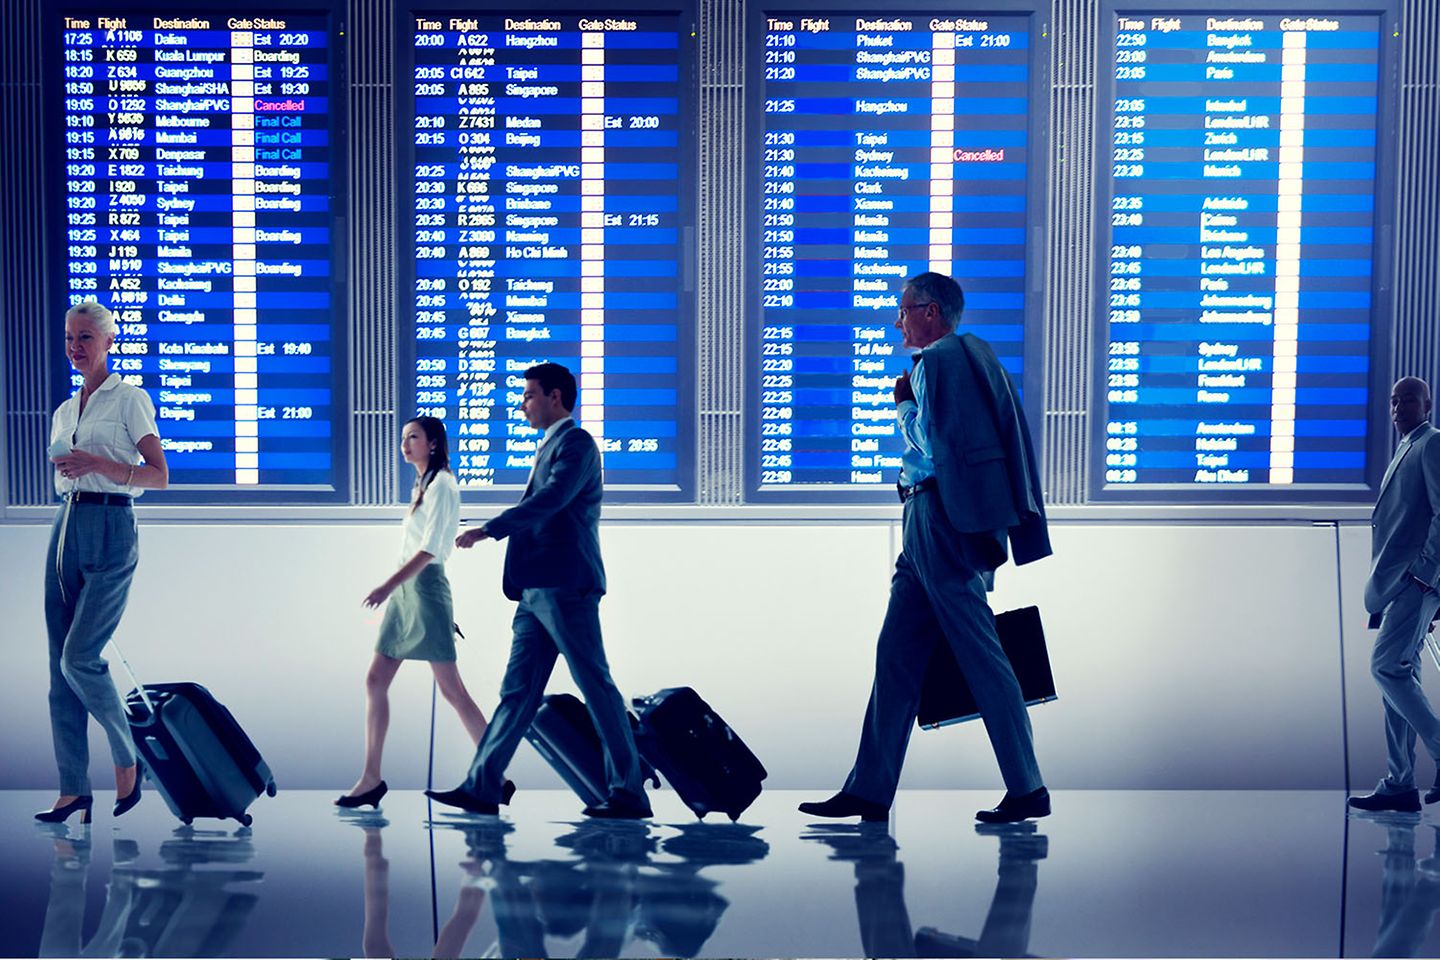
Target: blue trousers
1395	665
91	560
937	595
550	623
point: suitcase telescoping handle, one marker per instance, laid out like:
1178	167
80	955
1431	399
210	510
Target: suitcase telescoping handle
138	686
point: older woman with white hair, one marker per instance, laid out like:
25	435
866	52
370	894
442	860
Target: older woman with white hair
106	452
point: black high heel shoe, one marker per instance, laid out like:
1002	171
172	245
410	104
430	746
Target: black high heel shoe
371	796
506	792
83	803
123	804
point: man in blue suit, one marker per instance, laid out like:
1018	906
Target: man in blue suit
553	568
970	483
1401	595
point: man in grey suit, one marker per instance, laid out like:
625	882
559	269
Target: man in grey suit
1401	595
553	568
970	484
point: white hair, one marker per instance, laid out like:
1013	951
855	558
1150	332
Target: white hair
103	319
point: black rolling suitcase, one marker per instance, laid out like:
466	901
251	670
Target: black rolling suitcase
697	753
563	733
195	753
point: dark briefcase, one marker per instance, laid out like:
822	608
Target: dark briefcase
945	697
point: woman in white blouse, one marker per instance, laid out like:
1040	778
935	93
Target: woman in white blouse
419	621
106	452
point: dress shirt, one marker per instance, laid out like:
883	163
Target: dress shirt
916	463
117	416
431	526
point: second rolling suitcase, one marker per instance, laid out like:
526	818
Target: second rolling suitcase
195	753
563	733
697	752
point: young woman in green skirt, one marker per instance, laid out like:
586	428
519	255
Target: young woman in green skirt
419	622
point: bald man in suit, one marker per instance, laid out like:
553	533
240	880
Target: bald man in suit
1401	595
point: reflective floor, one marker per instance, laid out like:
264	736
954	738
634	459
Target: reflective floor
1111	874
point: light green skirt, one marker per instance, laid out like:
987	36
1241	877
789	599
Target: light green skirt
419	619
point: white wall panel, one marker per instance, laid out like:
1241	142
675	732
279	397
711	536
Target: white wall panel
1201	656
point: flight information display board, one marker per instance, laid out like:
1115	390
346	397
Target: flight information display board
1240	297
197	172
884	144
549	177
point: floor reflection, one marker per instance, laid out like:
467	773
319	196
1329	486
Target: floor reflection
185	909
1157	874
885	929
1409	890
612	893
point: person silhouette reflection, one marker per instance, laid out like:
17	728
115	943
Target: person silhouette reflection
174	910
1409	894
884	919
63	932
469	901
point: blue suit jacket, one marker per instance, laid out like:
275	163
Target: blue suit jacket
1405	526
554	530
985	465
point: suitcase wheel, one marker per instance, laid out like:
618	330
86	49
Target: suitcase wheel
245	819
270	789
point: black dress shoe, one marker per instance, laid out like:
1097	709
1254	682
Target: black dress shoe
464	800
83	803
847	805
1406	801
130	799
1013	809
619	807
373	796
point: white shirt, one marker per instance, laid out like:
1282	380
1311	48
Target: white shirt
432	525
117	416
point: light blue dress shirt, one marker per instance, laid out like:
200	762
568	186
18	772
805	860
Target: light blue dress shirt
917	463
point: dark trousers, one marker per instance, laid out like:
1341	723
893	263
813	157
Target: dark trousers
937	595
550	623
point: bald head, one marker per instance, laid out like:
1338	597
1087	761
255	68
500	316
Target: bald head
1409	403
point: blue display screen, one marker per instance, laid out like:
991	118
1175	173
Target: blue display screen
1241	159
198	189
548	209
886	145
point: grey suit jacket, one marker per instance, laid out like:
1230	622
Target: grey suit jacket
1405	526
985	464
554	530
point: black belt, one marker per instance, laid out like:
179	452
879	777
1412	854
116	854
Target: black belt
103	499
929	483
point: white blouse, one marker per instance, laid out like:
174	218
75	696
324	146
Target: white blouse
117	416
433	525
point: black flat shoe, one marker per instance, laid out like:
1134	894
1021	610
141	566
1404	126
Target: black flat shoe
847	805
619	808
131	798
464	800
1013	809
1406	801
83	803
507	791
371	796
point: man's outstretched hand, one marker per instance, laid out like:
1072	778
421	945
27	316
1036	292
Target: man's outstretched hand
469	538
